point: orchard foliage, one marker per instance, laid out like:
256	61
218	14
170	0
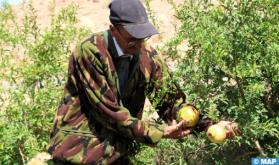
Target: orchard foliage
33	66
230	71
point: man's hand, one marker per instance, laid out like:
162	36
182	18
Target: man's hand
232	129
176	131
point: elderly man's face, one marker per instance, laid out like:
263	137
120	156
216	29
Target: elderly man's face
126	42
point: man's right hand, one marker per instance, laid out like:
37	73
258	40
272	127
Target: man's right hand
176	131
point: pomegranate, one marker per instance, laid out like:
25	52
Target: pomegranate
216	133
190	113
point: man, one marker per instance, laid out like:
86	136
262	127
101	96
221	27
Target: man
109	76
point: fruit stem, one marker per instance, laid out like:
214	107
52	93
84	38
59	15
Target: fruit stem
210	135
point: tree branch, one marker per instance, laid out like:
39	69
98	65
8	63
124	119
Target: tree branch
249	153
22	157
260	149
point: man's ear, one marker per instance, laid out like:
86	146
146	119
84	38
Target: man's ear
112	30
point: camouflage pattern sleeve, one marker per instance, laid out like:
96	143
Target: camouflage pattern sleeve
173	98
95	80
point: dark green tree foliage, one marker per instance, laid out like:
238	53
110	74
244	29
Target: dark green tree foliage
231	70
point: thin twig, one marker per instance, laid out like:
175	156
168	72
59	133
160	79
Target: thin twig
181	156
260	149
230	90
195	152
22	157
28	131
249	153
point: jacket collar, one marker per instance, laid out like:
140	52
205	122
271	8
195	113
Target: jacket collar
134	62
110	43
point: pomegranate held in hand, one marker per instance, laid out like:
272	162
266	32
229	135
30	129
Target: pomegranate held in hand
190	113
216	133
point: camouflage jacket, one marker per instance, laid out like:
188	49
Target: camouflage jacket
93	125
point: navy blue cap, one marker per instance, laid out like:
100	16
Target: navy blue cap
132	16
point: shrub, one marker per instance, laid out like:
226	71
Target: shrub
33	70
230	71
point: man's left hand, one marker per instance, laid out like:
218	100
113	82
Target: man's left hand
232	129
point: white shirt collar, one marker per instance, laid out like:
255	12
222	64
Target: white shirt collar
119	50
